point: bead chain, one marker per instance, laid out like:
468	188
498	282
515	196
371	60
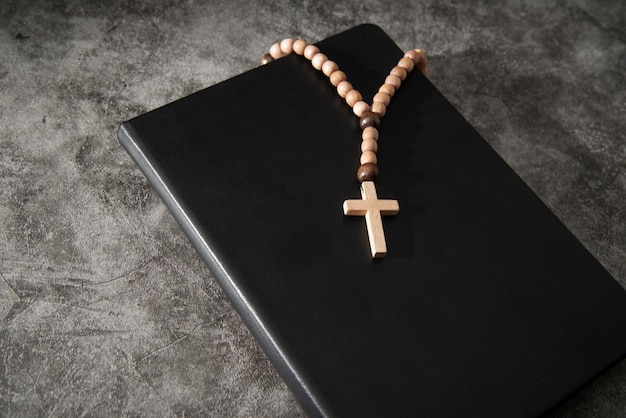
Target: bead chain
370	116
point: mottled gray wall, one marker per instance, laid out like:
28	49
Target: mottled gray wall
105	308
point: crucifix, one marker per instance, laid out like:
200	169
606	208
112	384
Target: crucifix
372	208
369	121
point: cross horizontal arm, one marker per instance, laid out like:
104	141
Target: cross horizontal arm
360	207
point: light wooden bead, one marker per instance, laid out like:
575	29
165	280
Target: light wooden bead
369	145
318	60
337	77
379	108
394	81
310	51
388	89
275	51
423	64
370	133
382	97
416	55
352	97
329	67
286	45
419	59
343	88
360	107
407	63
299	45
368	157
399	72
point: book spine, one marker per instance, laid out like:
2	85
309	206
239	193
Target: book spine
278	358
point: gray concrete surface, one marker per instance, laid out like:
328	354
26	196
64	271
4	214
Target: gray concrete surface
105	308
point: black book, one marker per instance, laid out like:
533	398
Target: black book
486	305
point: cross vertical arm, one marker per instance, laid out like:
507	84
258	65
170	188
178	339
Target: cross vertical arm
372	208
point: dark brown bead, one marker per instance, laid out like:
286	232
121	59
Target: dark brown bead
267	58
367	172
369	118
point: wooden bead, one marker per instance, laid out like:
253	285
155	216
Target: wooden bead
379	108
369	119
352	97
360	107
388	88
266	58
407	63
416	55
337	77
299	45
310	51
399	72
329	67
343	88
368	157
286	45
369	145
394	81
318	60
370	133
423	64
275	51
367	172
419	59
382	97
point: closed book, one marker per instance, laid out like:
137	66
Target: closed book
485	305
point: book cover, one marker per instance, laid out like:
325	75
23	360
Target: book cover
486	305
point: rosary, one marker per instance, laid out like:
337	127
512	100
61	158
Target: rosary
370	118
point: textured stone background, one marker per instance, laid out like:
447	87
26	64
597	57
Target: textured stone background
106	310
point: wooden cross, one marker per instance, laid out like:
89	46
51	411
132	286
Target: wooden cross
372	209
